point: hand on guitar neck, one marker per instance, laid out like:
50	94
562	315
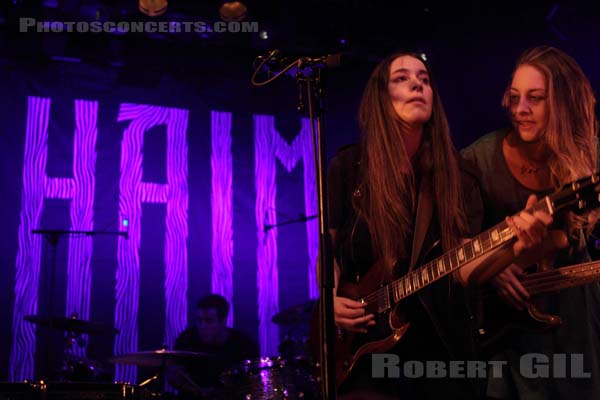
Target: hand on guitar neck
530	229
530	232
507	282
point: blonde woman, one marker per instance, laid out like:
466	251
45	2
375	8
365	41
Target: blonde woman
552	141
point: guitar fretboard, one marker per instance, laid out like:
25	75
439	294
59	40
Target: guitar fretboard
390	294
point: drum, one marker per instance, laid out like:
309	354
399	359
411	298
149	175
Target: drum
18	391
81	369
41	390
270	378
87	391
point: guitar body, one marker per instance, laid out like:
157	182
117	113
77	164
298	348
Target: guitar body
497	320
350	347
383	294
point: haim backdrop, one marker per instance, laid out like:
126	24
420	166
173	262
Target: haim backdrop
184	195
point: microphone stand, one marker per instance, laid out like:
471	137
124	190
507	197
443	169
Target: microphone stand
310	76
327	354
52	236
289	222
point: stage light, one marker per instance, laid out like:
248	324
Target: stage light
125	222
232	11
264	35
153	8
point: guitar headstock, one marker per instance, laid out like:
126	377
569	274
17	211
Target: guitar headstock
580	195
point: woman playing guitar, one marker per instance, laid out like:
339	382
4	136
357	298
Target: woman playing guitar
552	141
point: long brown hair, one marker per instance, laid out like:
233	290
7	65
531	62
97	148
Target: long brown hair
387	178
571	131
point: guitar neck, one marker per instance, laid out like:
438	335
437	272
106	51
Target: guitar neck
450	261
580	194
562	278
436	269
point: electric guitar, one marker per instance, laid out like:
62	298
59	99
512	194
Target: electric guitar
497	319
382	294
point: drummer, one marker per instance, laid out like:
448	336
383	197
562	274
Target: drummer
209	334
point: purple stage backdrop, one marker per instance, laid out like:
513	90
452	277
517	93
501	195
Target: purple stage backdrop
156	178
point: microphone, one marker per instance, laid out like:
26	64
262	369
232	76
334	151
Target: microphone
329	61
274	58
274	53
275	65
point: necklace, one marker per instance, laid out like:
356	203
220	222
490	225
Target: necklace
522	164
530	169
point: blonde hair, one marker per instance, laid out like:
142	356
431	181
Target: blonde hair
572	129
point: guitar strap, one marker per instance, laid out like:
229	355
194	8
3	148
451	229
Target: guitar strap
422	219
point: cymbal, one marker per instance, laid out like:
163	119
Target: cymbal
297	314
158	358
72	325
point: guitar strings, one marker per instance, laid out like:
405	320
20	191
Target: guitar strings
546	281
381	293
505	233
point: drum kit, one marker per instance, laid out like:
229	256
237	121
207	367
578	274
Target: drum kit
287	376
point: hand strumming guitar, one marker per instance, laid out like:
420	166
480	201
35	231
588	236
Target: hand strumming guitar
350	315
530	231
509	286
